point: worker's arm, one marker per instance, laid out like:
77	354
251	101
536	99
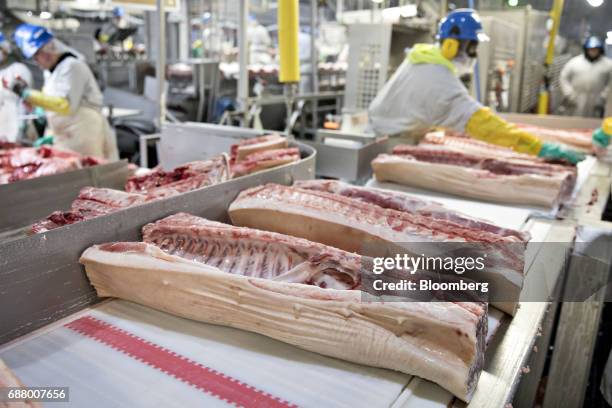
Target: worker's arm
565	81
601	136
55	104
487	126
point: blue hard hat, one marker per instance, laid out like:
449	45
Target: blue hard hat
30	38
593	42
462	24
118	11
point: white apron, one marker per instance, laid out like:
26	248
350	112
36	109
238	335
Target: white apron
86	132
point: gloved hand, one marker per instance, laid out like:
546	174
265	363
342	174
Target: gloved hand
19	86
601	136
45	140
556	151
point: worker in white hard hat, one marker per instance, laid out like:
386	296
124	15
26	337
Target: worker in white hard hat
10	106
425	91
70	97
585	80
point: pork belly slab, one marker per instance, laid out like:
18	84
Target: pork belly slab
293	290
465	175
371	229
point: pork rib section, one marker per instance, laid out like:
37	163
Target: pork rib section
24	163
449	170
91	202
370	229
399	201
190	176
244	148
292	290
265	160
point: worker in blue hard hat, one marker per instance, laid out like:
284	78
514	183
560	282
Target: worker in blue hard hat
70	97
425	91
10	106
585	80
110	32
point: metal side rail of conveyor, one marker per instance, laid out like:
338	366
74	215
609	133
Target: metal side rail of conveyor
25	202
41	279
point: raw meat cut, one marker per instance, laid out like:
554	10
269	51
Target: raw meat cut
190	176
576	138
370	229
404	202
291	290
7	380
475	172
241	150
27	162
264	160
91	202
476	147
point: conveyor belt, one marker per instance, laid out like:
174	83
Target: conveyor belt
92	361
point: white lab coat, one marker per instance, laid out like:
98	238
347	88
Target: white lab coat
418	97
259	44
85	130
586	83
10	105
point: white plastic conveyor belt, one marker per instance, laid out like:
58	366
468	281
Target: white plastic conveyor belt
99	365
123	354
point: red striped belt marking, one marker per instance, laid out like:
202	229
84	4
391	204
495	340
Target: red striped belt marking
203	378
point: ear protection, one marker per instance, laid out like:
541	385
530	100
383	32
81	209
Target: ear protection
449	48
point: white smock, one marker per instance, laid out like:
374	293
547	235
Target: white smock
11	108
85	130
585	84
419	96
259	44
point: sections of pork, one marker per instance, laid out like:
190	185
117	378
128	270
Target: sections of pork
399	201
93	202
472	169
190	176
265	159
244	148
371	229
580	139
23	163
291	290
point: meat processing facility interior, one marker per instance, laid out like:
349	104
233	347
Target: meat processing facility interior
306	203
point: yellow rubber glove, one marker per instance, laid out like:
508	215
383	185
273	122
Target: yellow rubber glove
55	104
487	126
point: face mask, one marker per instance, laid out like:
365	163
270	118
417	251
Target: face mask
464	64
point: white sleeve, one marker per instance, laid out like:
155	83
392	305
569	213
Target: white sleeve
445	100
565	79
69	81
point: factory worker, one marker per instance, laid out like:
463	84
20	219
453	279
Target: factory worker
259	43
10	106
585	80
425	91
70	96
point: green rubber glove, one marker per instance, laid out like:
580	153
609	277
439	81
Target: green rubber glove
556	151
45	140
601	137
